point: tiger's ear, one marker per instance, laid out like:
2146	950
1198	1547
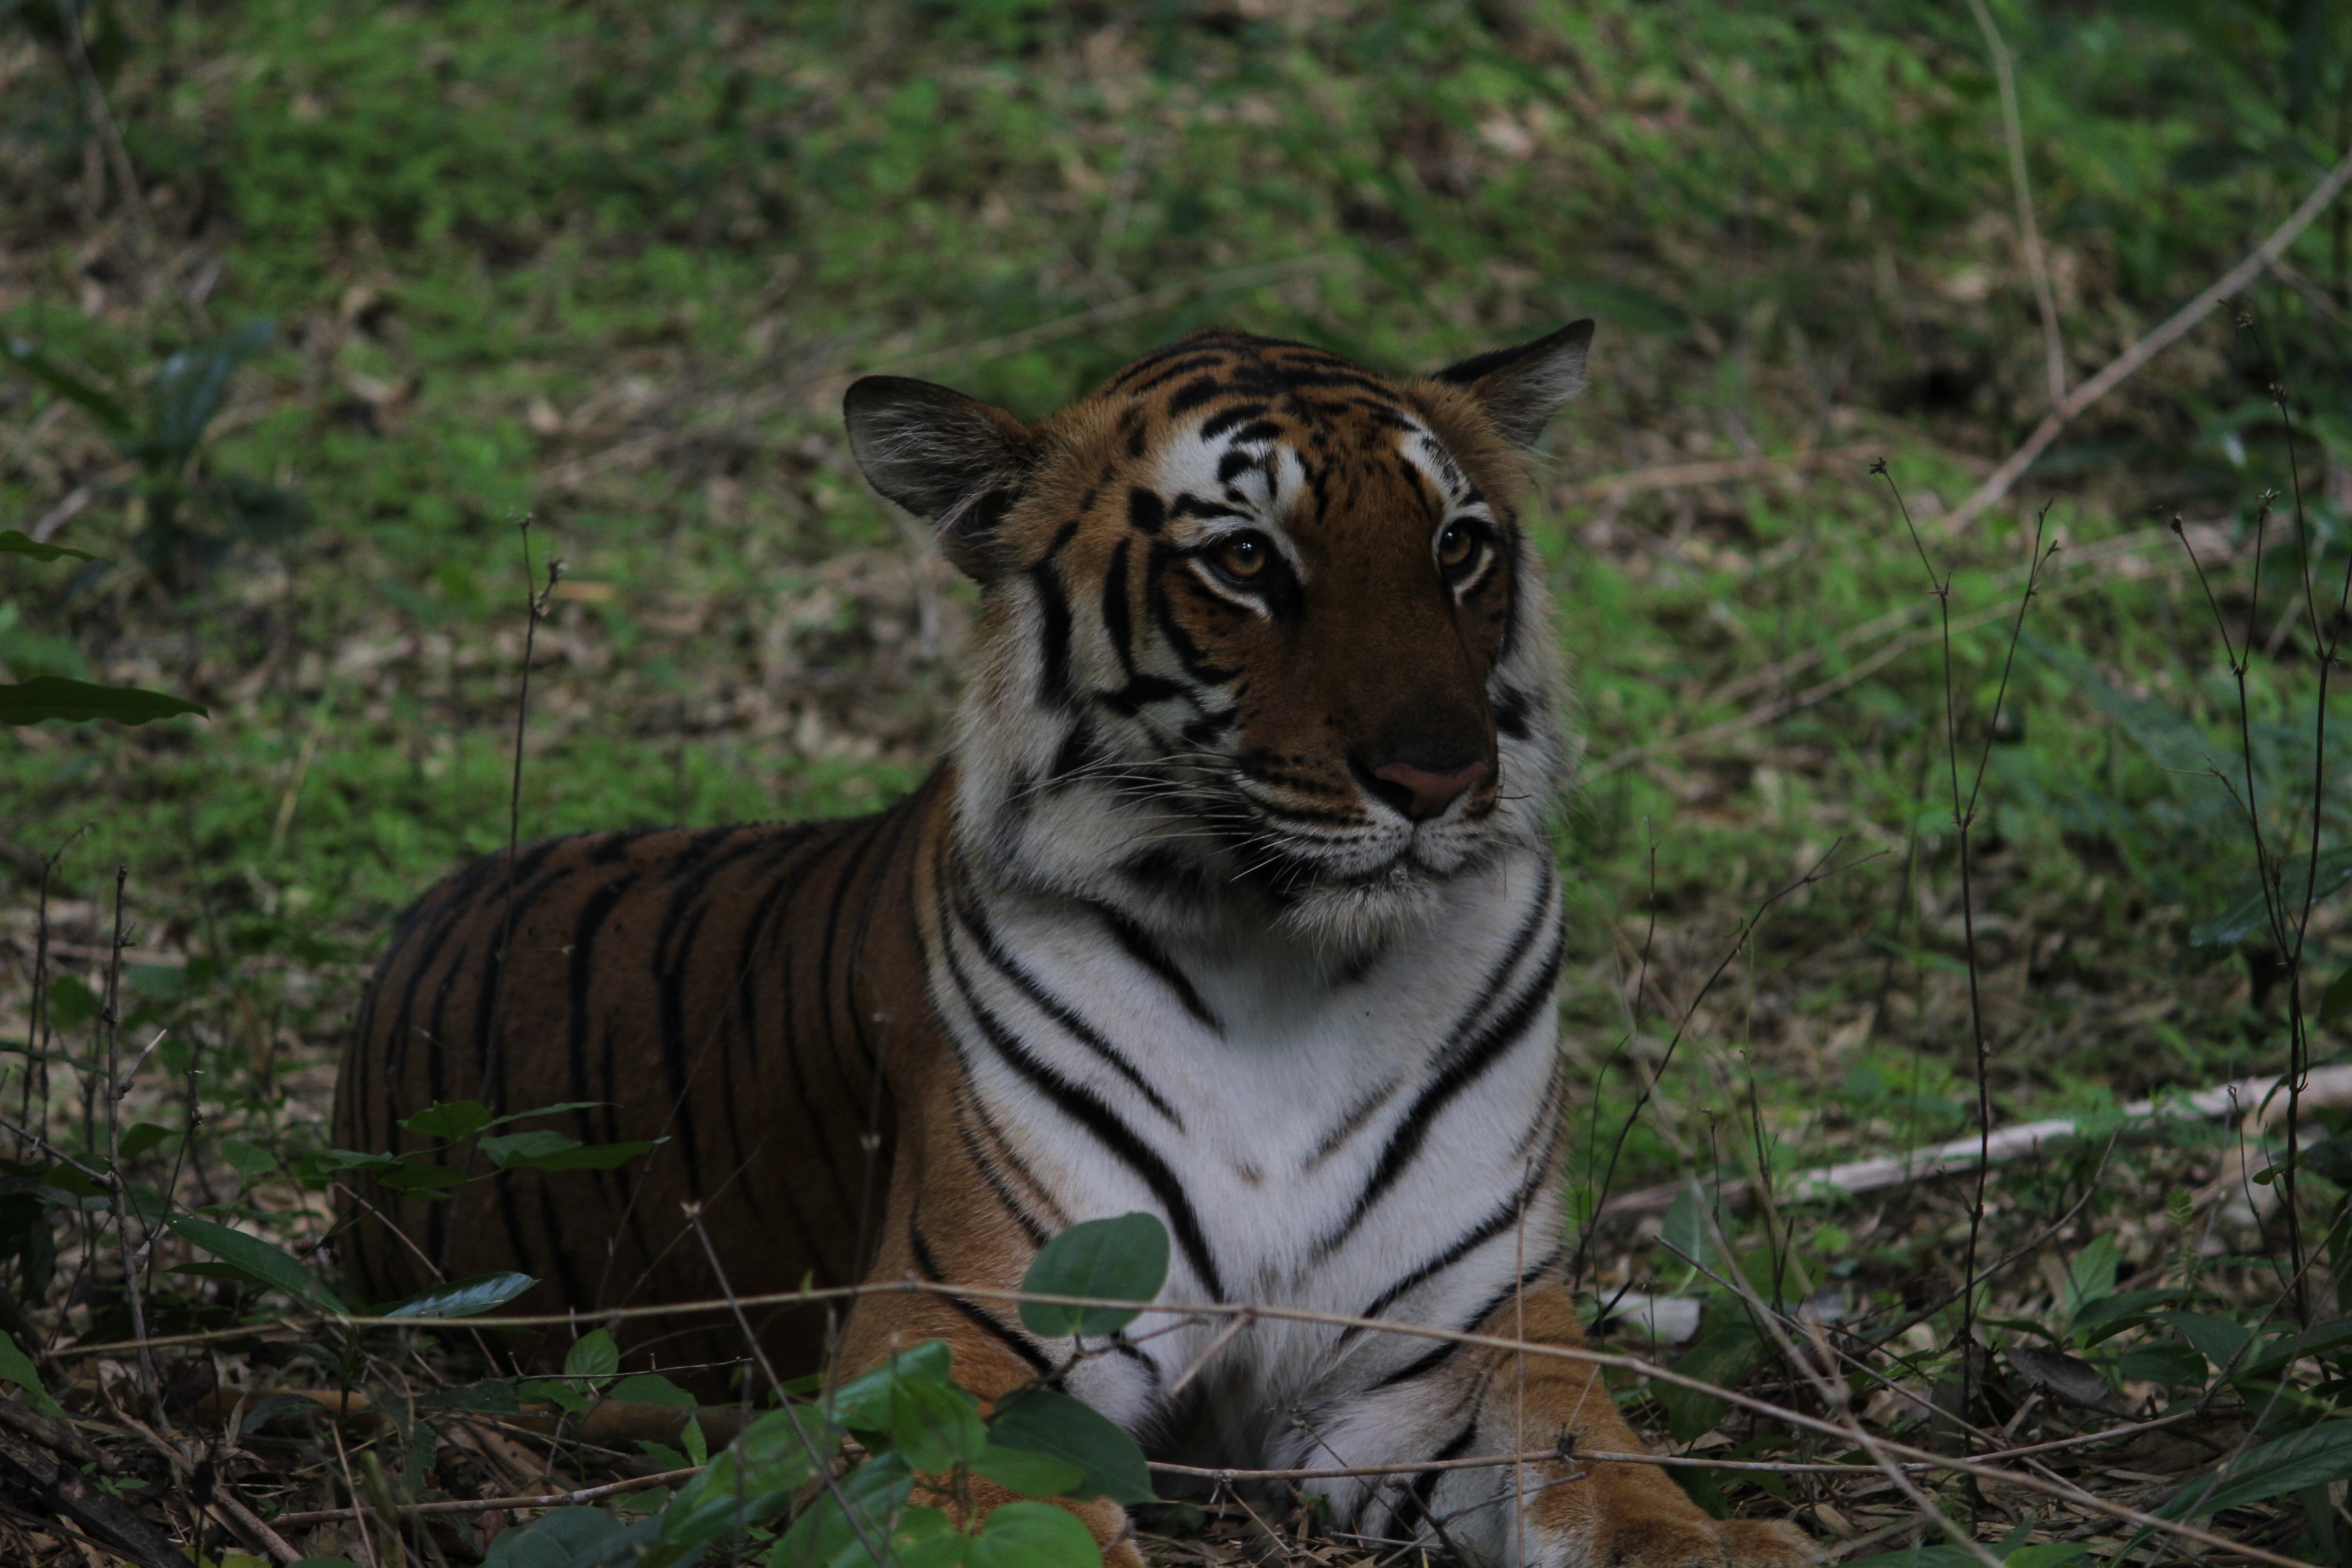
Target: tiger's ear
1522	387
942	456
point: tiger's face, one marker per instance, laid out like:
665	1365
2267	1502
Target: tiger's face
1257	626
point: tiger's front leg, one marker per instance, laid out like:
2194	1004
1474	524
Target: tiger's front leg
1542	1513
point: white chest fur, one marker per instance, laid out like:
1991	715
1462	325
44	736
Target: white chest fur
1369	1140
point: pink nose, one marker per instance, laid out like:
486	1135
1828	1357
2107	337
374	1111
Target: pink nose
1431	793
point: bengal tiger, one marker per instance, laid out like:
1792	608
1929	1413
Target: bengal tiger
1234	903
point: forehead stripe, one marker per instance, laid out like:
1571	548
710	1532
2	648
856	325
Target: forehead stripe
1218	424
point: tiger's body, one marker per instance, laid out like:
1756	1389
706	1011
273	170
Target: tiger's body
1234	903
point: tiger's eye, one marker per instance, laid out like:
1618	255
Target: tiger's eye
1243	555
1455	546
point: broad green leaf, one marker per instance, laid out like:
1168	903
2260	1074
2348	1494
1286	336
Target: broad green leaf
581	1156
508	1148
2312	1456
753	1480
567	1538
824	1536
143	1136
1032	1535
420	1178
2049	1554
14	542
2221	1339
2090	1276
2332	1001
463	1298
257	1257
72	1002
189	388
1030	1474
863	1403
54	696
17	1367
556	1108
1723	1356
2316	1339
651	1388
593	1355
1047	1421
2249	908
935	1425
698	1446
2171	1362
101	407
249	1161
2111	1315
458	1119
1124	1259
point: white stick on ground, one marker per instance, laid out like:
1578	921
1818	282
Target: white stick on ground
2262	1098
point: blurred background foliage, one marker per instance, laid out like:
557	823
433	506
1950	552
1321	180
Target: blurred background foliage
609	266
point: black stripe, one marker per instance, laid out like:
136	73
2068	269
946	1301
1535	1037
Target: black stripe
1152	956
1217	424
1085	1107
995	1179
1118	621
1146	512
975	922
1469	1241
1469	1061
1446	1348
1054	637
1407	1518
929	1267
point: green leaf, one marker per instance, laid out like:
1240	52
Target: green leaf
593	1355
875	1492
2312	1456
2221	1339
698	1446
257	1257
863	1403
2332	1001
1124	1259
189	388
251	1161
651	1388
495	1396
54	696
2249	908
463	1298
753	1480
581	1156
15	543
419	1178
458	1119
2173	1363
1047	1421
1723	1356
2316	1339
2111	1315
935	1425
17	1367
1030	1474
99	407
567	1538
2049	1554
1032	1535
143	1136
2092	1275
72	1002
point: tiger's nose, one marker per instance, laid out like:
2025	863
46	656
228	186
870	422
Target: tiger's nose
1421	794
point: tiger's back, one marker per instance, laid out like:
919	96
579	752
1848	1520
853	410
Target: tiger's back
730	991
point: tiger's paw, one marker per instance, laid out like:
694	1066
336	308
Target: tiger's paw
1690	1540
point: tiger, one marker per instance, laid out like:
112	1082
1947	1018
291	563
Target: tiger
1232	902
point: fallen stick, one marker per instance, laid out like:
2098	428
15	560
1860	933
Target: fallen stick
2324	1088
2147	348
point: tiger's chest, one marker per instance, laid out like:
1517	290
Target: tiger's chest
1348	1138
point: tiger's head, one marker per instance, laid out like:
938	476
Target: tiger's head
1256	625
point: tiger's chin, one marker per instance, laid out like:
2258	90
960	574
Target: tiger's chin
1364	912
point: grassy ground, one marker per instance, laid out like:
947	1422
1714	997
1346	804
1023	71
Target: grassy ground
607	267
